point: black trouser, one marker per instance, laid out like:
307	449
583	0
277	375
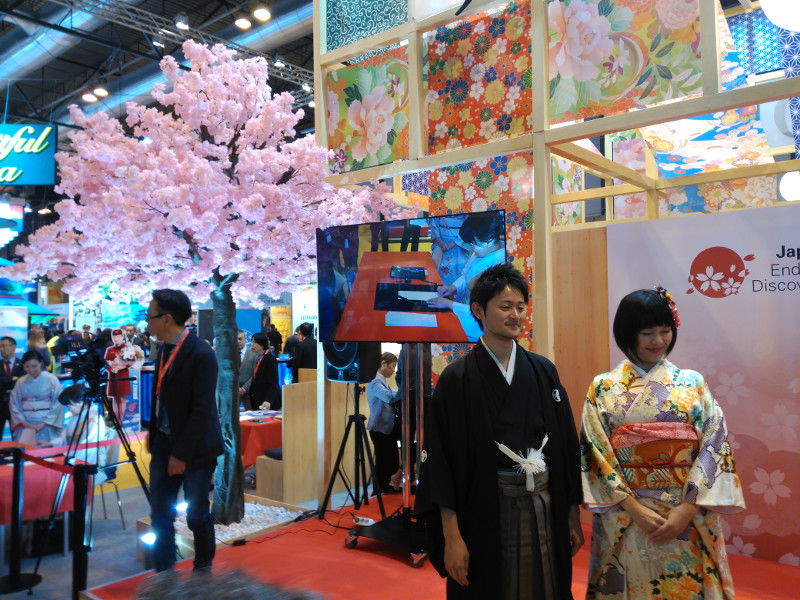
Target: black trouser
387	458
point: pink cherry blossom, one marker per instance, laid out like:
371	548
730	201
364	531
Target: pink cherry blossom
581	42
770	485
373	117
204	199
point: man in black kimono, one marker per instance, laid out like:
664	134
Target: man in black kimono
499	533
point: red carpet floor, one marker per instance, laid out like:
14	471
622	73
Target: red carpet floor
311	555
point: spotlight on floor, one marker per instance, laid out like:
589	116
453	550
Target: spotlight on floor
148	538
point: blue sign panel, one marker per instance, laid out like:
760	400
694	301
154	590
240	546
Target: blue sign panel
27	154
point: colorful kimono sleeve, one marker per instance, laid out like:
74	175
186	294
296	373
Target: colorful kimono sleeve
713	482
603	482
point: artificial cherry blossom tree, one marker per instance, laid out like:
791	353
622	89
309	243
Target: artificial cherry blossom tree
209	192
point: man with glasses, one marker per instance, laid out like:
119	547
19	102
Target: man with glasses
185	436
9	373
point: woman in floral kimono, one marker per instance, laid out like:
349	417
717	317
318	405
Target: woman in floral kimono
36	415
657	467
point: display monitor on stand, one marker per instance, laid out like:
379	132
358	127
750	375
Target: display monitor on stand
402	282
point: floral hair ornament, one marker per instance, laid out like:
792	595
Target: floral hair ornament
662	291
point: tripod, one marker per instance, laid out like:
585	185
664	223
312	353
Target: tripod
361	447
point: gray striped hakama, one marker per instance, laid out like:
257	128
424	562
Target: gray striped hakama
526	538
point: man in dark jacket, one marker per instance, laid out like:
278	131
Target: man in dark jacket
498	532
305	353
185	436
9	373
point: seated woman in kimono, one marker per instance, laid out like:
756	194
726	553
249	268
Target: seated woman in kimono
36	415
657	467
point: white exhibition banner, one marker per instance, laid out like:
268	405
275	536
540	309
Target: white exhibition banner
735	277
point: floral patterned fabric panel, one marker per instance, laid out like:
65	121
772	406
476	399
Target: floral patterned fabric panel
629	150
479	79
790	48
610	56
724	195
367	106
504	182
721	140
567	177
351	20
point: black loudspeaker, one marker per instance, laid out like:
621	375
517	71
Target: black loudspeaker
353	362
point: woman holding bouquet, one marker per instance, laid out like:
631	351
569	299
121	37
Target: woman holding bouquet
119	388
657	465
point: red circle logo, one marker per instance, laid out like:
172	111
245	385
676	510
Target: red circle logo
718	272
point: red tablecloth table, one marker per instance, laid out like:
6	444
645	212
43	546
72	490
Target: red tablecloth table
258	436
361	322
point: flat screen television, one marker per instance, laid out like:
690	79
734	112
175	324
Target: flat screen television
405	281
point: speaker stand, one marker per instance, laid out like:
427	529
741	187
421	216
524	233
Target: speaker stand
361	448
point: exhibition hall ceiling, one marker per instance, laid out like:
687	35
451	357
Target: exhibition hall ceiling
52	52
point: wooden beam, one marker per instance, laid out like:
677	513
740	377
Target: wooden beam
541	101
597	162
436	161
320	122
595	193
683	109
709	48
380	40
543	328
417	140
400	33
729	174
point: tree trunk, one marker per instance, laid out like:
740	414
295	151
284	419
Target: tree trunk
229	477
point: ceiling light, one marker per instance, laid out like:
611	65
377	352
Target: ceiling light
89	97
182	21
100	91
44	211
278	62
306	87
158	41
242	22
312	104
261	12
782	13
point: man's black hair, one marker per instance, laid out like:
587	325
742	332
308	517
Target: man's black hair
493	281
262	339
174	303
639	310
306	329
8	338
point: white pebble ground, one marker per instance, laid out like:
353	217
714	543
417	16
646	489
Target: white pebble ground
256	518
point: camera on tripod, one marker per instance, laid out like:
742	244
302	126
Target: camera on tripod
87	368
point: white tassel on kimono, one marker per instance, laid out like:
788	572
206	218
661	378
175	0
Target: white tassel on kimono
531	465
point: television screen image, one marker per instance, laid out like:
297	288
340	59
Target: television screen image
405	281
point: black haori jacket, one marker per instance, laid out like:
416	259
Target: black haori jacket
460	461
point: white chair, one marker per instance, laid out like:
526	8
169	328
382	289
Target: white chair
107	475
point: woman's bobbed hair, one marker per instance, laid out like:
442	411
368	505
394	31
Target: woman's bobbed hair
639	310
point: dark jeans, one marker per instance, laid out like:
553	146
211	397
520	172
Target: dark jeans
387	459
196	483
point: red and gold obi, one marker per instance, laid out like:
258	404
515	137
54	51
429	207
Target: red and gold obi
655	455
